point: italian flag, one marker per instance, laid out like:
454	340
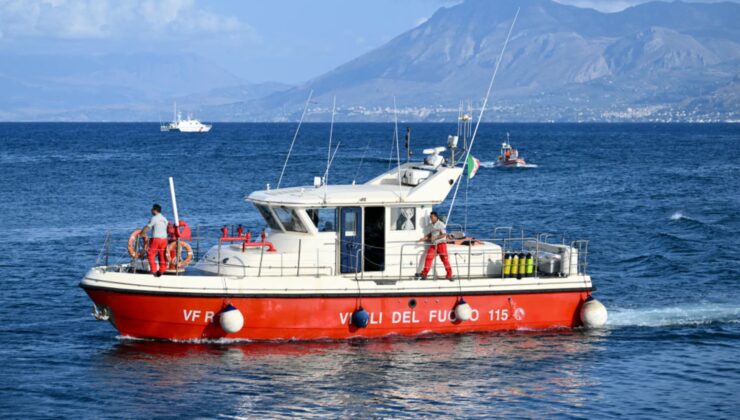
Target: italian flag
473	164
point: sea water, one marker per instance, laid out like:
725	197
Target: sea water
660	205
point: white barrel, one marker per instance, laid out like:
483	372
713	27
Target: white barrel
463	311
593	313
231	320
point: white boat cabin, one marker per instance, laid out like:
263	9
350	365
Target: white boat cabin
371	230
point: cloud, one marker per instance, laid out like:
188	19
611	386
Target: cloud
101	19
611	6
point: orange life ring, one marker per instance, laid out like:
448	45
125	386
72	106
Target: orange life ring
171	254
137	249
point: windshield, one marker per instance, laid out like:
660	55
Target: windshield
269	218
289	219
325	219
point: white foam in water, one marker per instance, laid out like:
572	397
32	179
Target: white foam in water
494	164
675	315
193	341
678	216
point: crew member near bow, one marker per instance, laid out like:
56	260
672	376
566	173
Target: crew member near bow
438	238
158	241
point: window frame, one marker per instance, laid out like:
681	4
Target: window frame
414	219
297	225
266	210
334	220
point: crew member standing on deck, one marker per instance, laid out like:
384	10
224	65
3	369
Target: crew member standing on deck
158	242
438	238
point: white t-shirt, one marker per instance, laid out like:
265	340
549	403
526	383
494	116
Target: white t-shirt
437	229
158	226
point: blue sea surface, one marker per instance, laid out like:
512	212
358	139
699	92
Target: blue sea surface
659	203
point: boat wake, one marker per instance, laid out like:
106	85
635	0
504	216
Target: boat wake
675	316
222	340
493	164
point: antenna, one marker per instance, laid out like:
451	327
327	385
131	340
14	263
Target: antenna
357	172
294	137
459	118
331	134
331	160
398	151
407	144
390	156
482	109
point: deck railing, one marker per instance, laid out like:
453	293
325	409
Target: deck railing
475	260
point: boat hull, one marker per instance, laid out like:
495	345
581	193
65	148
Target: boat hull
189	317
518	163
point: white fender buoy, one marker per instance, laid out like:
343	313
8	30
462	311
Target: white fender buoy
463	311
593	313
231	319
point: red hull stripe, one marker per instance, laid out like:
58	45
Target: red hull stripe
308	318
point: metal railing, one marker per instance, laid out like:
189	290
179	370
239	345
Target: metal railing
477	262
284	269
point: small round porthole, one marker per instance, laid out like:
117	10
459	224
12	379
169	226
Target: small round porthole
412	303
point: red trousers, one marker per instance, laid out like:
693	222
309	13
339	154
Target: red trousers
433	250
157	248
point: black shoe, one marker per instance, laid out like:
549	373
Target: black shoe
420	276
159	274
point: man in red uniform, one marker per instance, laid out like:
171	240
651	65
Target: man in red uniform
158	242
438	238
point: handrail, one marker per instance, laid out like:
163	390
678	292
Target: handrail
481	261
247	244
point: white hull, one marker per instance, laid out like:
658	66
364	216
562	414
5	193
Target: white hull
200	129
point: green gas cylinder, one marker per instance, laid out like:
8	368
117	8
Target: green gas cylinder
530	265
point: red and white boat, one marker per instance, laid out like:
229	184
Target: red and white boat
341	263
509	157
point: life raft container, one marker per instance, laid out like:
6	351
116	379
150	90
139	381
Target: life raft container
137	248
171	255
185	233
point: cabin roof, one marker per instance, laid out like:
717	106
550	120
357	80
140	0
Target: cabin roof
331	195
382	190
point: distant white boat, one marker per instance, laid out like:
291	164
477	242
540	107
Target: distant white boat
188	125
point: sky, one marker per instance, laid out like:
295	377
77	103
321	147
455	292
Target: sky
288	41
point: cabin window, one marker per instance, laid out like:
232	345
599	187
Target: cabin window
269	218
350	224
325	219
289	219
404	218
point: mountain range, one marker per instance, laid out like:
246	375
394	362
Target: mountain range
652	62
